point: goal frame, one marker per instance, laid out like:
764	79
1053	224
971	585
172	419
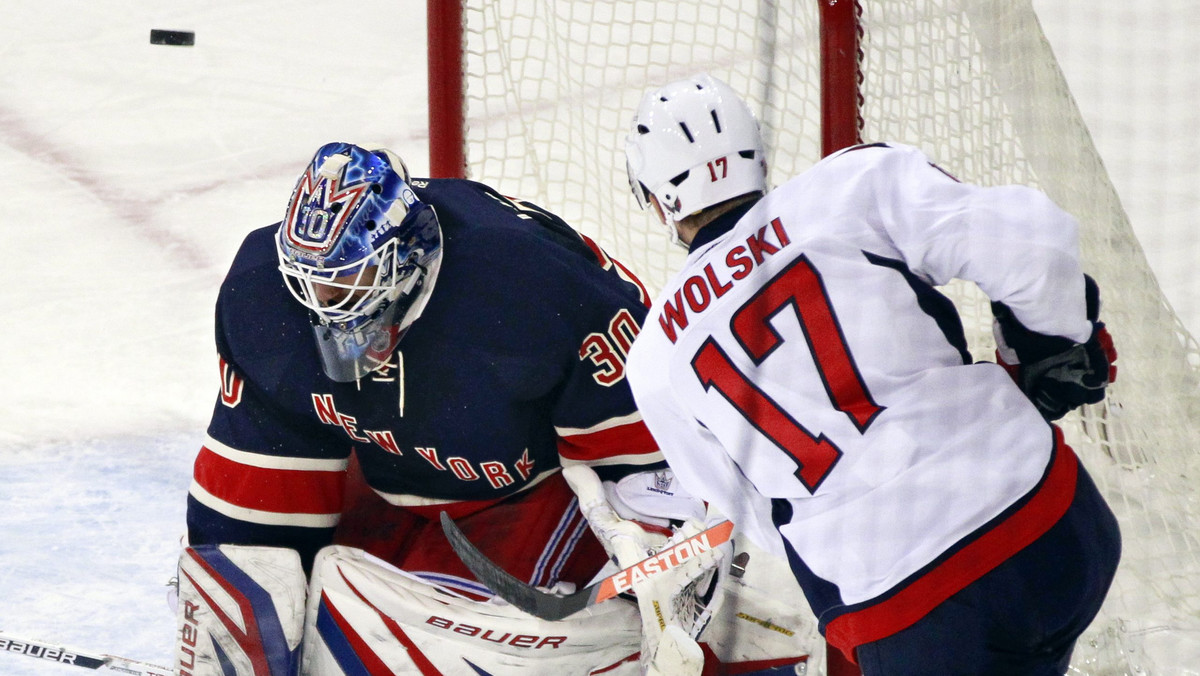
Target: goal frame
447	89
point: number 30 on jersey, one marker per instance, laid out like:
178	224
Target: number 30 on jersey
609	350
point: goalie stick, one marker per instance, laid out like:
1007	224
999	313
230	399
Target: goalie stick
548	606
57	654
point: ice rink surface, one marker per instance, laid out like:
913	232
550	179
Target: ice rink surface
131	172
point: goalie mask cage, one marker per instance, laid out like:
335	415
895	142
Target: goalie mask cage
551	85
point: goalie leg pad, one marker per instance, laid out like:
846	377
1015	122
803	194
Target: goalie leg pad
240	611
366	616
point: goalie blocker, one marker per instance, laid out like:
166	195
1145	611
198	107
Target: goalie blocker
243	611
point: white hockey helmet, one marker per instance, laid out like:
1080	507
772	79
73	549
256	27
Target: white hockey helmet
694	143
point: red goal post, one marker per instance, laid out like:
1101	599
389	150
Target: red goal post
840	78
447	130
534	96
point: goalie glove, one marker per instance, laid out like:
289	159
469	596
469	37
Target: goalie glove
684	597
1057	374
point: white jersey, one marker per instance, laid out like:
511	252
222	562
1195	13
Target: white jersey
803	354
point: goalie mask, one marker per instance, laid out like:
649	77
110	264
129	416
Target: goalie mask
359	251
694	143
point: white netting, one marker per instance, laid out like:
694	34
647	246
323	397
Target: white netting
995	109
552	85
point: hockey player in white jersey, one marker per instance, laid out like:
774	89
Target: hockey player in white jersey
803	374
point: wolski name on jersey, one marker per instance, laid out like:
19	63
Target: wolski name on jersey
495	472
698	291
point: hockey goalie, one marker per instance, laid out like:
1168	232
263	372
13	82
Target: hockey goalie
396	349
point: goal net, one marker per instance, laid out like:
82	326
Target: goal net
551	86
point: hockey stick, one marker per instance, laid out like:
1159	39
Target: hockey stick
57	654
549	606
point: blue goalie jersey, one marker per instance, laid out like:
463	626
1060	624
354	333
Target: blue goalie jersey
515	368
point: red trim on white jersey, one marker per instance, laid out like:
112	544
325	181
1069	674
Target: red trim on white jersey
1028	523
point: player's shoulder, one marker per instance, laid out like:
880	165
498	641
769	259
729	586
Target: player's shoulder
876	150
253	278
869	167
474	215
490	236
882	156
256	314
870	154
256	251
649	363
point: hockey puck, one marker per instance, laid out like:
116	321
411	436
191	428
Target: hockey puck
173	38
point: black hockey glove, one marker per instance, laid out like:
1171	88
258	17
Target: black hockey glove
1057	374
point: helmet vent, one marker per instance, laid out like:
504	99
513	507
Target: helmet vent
716	120
680	179
643	129
747	154
687	132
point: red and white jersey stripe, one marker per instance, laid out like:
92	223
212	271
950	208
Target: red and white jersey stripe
622	440
269	489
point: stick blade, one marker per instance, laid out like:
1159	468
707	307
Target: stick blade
540	604
552	607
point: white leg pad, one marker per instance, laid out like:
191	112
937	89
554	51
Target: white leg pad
365	616
240	611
